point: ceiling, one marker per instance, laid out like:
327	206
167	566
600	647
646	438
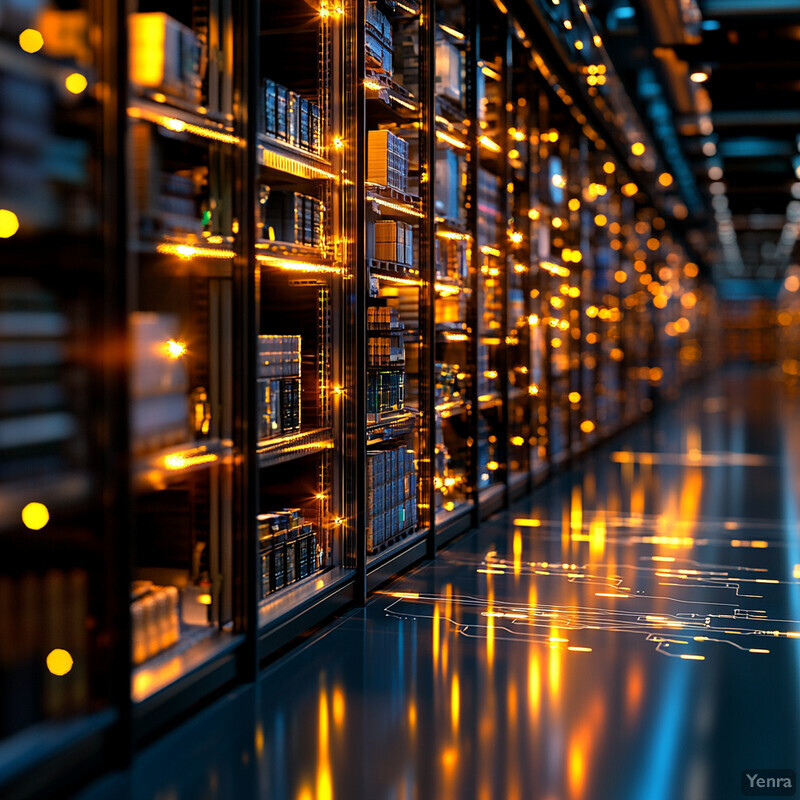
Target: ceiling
732	140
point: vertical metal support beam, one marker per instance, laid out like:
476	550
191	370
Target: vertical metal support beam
427	267
505	210
361	292
246	304
564	146
528	280
117	519
471	57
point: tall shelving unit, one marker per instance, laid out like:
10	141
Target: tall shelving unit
398	238
295	308
303	264
63	663
454	272
182	239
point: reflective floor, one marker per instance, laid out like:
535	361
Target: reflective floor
629	632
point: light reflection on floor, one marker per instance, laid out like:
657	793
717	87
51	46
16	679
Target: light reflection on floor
627	633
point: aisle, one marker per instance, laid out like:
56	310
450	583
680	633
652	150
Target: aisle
625	633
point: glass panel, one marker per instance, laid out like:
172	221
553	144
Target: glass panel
300	261
492	244
454	245
56	624
183	236
397	261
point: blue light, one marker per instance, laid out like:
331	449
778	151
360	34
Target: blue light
711	25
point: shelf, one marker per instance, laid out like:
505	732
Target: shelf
196	648
450	110
391	425
446	516
293	446
445	287
285	602
386	97
190	255
295	257
405	9
152	472
452	336
394	272
384	367
446	226
388	202
485	402
399	542
290	160
453	408
181	122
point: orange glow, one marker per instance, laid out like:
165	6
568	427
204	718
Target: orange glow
189	251
76	83
175	349
59	662
31	41
324	782
489	144
455	702
446	137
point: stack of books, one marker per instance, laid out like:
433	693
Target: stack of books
394	241
387	160
391	495
291	217
287	116
279	386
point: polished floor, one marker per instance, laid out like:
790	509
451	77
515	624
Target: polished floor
631	631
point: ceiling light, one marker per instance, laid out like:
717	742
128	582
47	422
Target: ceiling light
699	77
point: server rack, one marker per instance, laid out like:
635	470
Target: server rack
267	300
63	655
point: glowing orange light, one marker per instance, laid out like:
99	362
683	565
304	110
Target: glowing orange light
31	41
76	83
9	223
59	662
175	349
35	516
